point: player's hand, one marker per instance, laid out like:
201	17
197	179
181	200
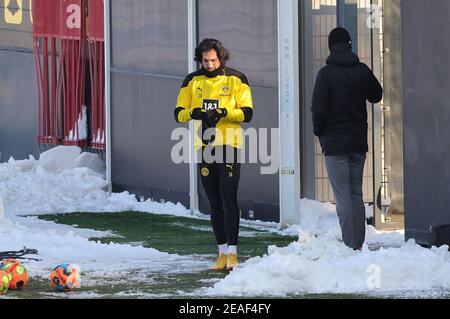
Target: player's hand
214	116
198	114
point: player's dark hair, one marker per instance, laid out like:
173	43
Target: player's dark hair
208	45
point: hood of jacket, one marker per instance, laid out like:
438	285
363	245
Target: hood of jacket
341	54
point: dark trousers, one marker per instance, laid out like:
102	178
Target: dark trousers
346	177
221	183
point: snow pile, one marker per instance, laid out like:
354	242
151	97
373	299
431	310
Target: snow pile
35	187
316	218
61	158
58	158
324	265
64	181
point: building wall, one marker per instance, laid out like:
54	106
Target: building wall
149	61
18	92
142	121
426	115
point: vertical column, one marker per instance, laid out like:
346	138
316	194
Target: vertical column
388	124
340	7
289	109
192	43
308	158
347	17
376	122
107	22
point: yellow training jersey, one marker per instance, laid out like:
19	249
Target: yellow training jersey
224	88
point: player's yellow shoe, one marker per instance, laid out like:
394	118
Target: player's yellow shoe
221	262
232	261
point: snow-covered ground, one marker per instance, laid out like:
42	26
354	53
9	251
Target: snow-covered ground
64	181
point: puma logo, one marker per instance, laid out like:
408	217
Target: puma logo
230	166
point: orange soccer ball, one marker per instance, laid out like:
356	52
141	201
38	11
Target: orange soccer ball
4	281
16	272
64	278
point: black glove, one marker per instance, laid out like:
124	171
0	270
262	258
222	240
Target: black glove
198	114
214	116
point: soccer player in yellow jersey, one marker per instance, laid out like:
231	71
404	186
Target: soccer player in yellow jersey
219	99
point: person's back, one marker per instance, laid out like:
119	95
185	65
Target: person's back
339	102
340	121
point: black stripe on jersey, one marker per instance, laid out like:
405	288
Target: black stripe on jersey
248	114
236	73
177	112
189	78
228	72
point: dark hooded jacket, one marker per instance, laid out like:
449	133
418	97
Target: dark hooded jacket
339	102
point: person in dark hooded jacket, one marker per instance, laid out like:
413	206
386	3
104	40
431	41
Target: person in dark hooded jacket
339	112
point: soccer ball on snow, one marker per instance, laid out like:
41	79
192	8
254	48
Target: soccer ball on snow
65	277
17	273
4	282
